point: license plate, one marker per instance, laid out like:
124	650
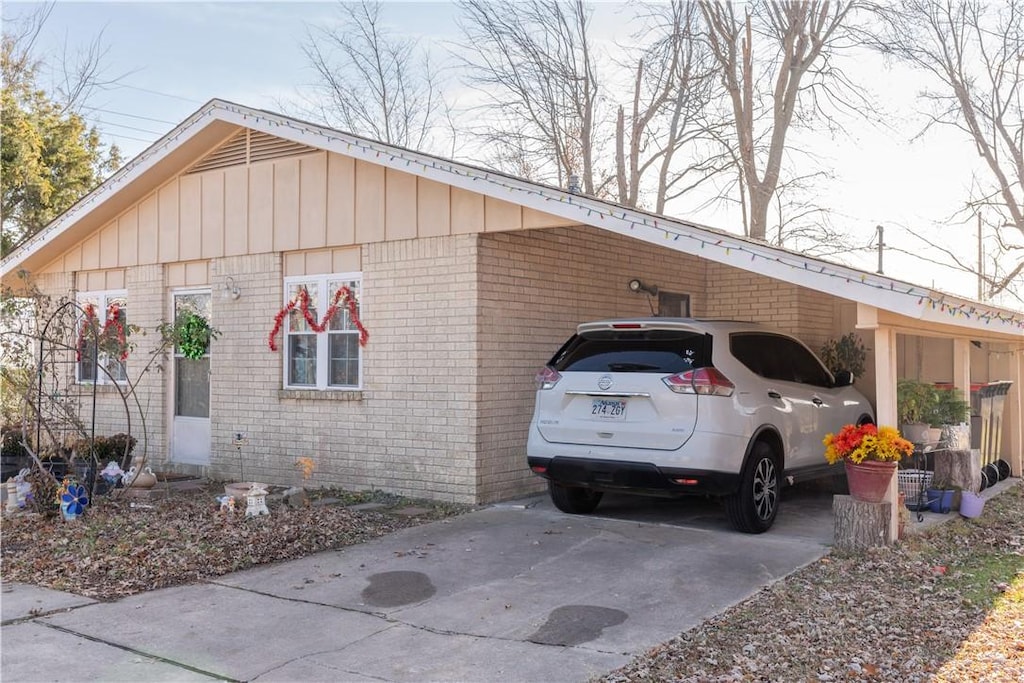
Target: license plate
608	410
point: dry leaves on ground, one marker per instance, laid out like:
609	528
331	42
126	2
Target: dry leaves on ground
947	605
125	546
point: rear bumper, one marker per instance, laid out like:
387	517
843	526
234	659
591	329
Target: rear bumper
633	477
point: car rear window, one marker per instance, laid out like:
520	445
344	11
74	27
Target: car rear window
656	351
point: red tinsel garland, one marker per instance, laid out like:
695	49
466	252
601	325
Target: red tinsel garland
343	295
113	321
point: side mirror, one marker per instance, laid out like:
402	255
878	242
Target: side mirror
844	378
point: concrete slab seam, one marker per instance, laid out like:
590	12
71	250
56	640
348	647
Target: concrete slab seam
332	669
32	616
392	621
141	653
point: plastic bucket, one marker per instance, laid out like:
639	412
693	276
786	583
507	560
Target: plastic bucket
939	500
971	504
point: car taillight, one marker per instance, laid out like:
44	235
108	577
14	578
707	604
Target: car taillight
701	381
547	377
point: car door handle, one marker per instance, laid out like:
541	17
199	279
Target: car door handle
817	401
774	394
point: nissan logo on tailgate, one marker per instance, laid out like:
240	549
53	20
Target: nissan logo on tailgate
605	383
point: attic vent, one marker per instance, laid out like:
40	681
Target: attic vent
263	147
248	146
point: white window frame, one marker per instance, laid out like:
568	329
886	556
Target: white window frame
322	359
102	300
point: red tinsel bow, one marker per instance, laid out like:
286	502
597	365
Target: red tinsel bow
342	295
113	321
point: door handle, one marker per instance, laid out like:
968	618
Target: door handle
817	401
774	394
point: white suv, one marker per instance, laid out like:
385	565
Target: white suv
680	406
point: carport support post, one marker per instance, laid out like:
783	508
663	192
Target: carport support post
885	410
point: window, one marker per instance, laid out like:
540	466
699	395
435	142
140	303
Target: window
657	351
326	359
673	305
781	358
106	313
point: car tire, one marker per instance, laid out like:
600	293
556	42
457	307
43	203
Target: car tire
753	507
573	499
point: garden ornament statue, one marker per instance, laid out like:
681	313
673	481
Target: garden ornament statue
227	504
112	473
256	501
18	491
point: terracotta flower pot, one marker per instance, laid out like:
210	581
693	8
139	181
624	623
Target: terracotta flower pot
869	480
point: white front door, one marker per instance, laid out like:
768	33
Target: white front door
190	389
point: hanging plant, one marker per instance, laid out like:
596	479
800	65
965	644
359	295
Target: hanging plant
193	334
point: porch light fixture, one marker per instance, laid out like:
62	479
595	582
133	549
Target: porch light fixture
231	290
636	286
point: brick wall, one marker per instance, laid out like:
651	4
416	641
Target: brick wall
411	430
458	327
534	288
741	295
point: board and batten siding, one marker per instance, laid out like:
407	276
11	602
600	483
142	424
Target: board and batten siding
306	202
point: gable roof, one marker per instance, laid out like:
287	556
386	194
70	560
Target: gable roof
219	120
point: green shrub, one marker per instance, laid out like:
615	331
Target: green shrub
915	401
107	448
846	353
949	409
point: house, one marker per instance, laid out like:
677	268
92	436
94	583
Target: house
466	282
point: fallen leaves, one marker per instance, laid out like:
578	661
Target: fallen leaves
119	549
892	614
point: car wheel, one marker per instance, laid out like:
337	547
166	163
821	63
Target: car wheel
573	499
753	507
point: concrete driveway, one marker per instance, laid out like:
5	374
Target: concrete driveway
515	592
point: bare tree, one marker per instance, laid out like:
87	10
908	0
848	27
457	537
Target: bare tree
974	54
75	74
764	88
372	82
668	129
534	65
550	97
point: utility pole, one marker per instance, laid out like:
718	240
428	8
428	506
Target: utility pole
881	245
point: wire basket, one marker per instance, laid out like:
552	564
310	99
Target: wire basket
912	484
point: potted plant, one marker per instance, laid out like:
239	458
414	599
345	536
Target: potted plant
846	353
870	454
949	415
915	404
941	496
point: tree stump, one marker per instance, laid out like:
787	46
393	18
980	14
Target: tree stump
958	469
860	525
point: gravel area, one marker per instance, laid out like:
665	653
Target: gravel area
945	605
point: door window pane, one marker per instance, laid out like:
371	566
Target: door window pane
192	387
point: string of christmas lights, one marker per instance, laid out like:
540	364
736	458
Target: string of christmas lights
587	207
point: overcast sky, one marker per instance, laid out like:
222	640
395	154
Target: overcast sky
172	57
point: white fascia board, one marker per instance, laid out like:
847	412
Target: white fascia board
841	281
847	283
